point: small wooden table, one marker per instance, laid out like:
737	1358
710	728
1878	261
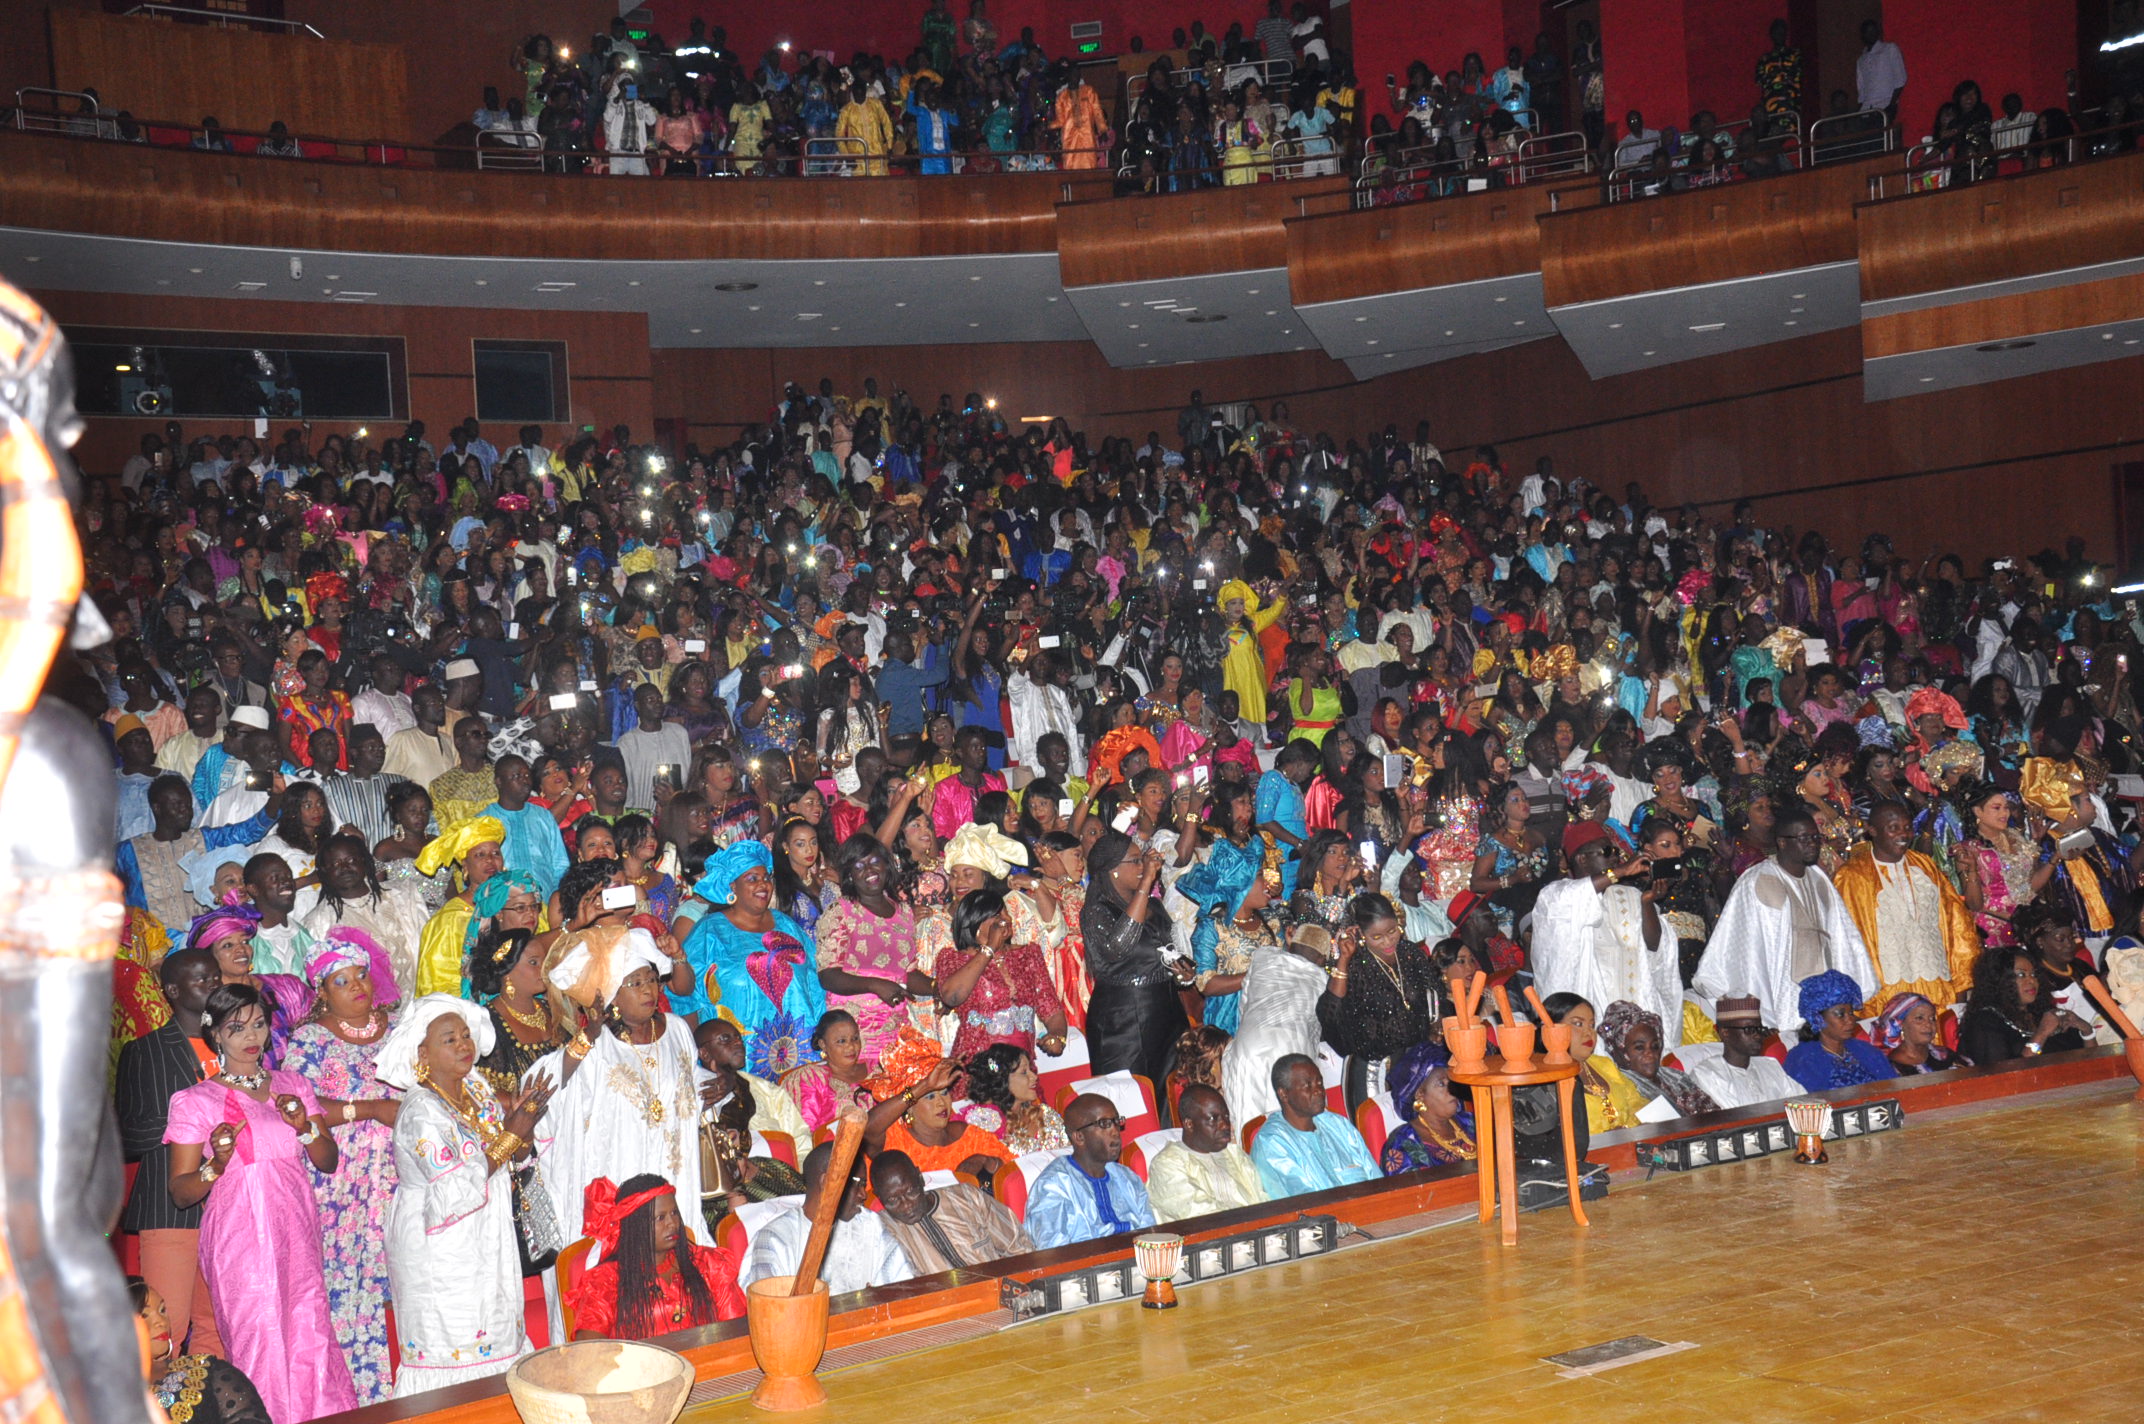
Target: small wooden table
1492	1087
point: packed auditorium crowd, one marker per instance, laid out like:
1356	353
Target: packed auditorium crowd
532	847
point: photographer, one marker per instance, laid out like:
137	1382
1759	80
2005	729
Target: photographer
1603	939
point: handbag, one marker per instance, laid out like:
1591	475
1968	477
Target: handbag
535	1220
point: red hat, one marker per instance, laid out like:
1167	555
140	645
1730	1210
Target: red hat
1580	834
1462	905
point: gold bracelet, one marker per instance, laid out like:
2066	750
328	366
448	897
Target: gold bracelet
579	1047
504	1146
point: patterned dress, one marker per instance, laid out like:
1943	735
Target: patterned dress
858	942
353	1203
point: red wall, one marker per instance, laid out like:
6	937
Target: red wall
1645	61
1723	40
1390	34
2021	45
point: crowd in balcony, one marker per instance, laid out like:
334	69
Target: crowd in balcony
495	821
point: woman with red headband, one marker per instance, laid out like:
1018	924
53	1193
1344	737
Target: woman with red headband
654	1278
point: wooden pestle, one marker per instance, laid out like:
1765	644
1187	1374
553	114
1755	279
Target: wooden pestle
848	1138
1503	1005
1540	1014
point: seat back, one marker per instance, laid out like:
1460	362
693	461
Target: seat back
1138	1155
1375	1120
1250	1130
1333	1069
780	1146
571	1265
1054	1071
735	1230
1010	1186
1132	1093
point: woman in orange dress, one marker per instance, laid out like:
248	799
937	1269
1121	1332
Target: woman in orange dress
914	1088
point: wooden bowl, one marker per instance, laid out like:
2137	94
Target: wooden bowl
600	1382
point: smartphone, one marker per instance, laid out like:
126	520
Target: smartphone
1048	640
669	773
513	632
564	701
1667	869
588	684
258	780
1395	769
1369	854
1200	775
619	897
996	574
1065	808
695	645
1127	818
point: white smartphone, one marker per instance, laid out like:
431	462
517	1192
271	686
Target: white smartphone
564	701
695	645
1048	640
588	684
1200	775
1064	808
1395	769
619	897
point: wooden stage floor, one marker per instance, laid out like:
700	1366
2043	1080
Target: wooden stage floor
1982	1264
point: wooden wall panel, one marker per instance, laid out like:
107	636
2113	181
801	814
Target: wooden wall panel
159	69
1785	425
123	191
1359	254
1708	235
607	357
1182	234
2083	304
2009	227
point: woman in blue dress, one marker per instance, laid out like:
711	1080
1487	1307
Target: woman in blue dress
756	962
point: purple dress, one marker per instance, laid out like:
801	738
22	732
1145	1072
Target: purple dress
260	1250
353	1203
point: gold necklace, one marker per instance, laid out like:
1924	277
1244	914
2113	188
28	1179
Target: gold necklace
539	1020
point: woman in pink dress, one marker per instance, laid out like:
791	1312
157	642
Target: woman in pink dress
241	1142
1999	866
867	947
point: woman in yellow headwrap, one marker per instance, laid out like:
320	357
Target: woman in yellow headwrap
1243	670
474	846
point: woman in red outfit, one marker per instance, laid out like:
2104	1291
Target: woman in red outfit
654	1278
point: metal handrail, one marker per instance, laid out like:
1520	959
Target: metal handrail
1928	170
226	20
1853	143
55	121
509	151
1554	156
1268	70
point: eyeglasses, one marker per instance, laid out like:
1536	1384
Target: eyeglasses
1105	1123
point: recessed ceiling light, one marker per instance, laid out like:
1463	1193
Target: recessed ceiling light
1290	331
1503	299
900	304
818	281
973	324
751	308
1053	299
1926	379
482	283
1710	326
1797	296
1520	322
1448	333
2130	342
1792	322
694	330
1273	313
1251	291
1389	355
1134	326
33	259
1144	344
734	286
332	276
1123	304
1797	310
2106	336
1362	318
633	284
197	271
1995	346
1615	326
1371	342
163	281
1645	353
975	279
833	328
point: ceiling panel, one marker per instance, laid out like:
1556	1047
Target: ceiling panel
1432	323
878	302
1205	318
1661	328
1943	368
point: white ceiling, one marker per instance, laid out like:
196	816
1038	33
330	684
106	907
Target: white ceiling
875	302
1917	373
1205	318
1661	328
1369	367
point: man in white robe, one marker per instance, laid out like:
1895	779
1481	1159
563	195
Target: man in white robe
1604	940
1783	922
1740	1074
860	1253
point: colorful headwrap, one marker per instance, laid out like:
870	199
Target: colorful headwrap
1104	763
491	897
127	722
717	883
1956	755
1783	644
454	847
1112	570
396	1062
1821	991
904	1065
226	919
326	585
1875	732
638	561
1235	589
1410	1069
1692	586
1620	1017
1220	883
984	848
1555	663
604	1215
346	947
1929	702
1891	1023
593	963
